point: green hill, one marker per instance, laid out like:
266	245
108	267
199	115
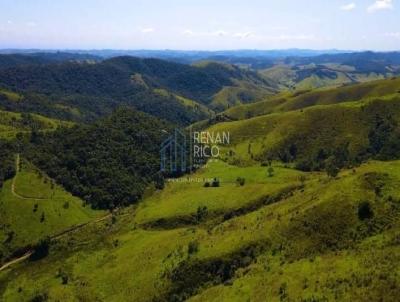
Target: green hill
95	89
313	134
332	70
302	99
13	123
108	163
339	234
33	206
303	204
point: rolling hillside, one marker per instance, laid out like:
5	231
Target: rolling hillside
33	206
85	91
332	70
13	123
236	251
302	99
303	204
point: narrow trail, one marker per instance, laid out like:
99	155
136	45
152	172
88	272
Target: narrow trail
17	162
56	236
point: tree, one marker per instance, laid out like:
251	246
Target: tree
331	167
215	183
201	213
42	217
240	181
365	211
270	171
193	247
41	250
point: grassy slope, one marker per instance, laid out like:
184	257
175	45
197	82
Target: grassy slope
183	198
190	104
314	243
61	210
325	75
10	124
283	103
15	97
307	244
311	129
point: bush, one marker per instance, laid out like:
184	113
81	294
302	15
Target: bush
193	247
365	211
331	167
41	250
201	213
215	183
40	298
240	181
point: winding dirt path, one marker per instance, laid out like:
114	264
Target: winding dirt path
17	162
56	236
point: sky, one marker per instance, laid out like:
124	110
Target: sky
200	24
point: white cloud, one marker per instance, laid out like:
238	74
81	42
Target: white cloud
147	30
380	5
188	32
9	22
393	35
348	7
243	35
219	33
31	24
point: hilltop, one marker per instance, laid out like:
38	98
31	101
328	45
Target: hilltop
84	91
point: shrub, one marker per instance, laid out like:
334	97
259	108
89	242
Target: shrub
41	250
215	183
240	181
331	167
193	247
201	213
365	211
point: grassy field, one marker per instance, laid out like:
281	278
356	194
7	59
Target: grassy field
36	208
185	196
312	244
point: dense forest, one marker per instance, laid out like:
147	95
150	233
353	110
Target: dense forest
108	163
86	91
16	60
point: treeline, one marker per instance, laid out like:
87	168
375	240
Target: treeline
7	161
108	163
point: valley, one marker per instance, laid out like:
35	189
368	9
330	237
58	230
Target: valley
302	203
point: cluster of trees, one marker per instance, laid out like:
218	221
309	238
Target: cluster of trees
383	144
384	138
108	163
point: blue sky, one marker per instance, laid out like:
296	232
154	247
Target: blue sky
200	24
